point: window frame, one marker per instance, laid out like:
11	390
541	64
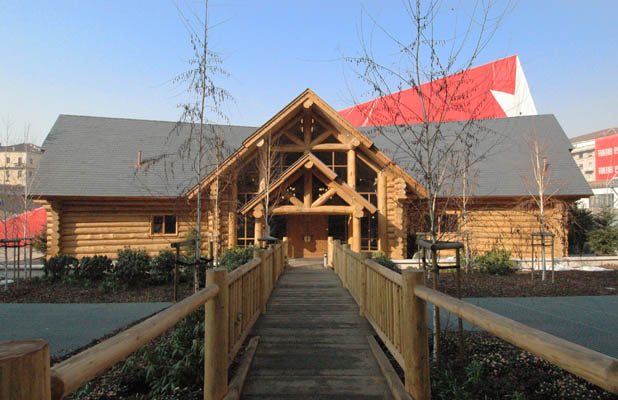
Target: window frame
163	225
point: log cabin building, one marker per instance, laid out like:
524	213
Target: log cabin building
307	173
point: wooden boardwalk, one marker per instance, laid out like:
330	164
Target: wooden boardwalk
313	342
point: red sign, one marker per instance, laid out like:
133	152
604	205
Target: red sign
606	158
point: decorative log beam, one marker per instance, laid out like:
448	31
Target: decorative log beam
307	123
309	164
231	216
324	198
293	138
322	137
308	188
334	210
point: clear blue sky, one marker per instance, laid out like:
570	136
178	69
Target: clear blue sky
117	58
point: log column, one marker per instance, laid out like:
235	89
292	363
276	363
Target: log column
382	220
358	213
258	228
232	218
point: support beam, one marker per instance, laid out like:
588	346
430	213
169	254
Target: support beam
332	210
352	169
356	234
382	212
324	198
308	189
258	229
231	215
307	125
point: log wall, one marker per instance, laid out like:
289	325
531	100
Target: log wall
100	226
506	225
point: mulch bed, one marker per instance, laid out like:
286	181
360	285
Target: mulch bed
40	291
567	283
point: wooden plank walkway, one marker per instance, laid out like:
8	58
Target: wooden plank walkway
313	342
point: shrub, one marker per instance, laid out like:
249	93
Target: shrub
59	266
93	268
495	262
380	258
234	258
132	266
162	267
604	240
40	242
172	365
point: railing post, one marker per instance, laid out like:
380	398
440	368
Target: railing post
285	243
329	251
24	370
259	253
216	346
336	248
415	347
363	284
344	273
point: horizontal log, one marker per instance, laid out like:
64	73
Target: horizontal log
385	272
74	372
243	270
291	210
597	368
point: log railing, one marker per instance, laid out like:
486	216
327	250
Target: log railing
395	305
233	302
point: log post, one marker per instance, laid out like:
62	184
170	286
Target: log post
232	217
344	267
363	284
285	251
415	349
216	344
24	370
176	274
259	253
329	252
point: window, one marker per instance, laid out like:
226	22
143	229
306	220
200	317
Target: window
19	161
244	230
19	173
8	160
336	161
602	200
163	225
338	227
369	232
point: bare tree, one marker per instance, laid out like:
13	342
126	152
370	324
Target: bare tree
542	187
428	150
269	163
203	143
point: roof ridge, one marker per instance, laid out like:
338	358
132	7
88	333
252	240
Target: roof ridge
148	120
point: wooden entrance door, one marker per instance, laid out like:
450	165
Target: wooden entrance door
308	235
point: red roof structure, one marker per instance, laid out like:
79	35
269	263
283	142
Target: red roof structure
495	90
15	225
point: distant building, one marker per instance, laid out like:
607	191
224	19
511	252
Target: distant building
19	163
18	166
596	155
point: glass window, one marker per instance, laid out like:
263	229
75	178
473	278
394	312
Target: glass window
163	225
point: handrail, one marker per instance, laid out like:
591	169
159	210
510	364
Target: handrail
398	316
74	372
239	272
595	367
233	303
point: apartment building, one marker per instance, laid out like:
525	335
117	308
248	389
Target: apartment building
19	163
596	155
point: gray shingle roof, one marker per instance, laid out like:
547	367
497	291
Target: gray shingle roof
505	166
93	156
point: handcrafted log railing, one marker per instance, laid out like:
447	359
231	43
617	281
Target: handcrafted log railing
395	305
233	302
